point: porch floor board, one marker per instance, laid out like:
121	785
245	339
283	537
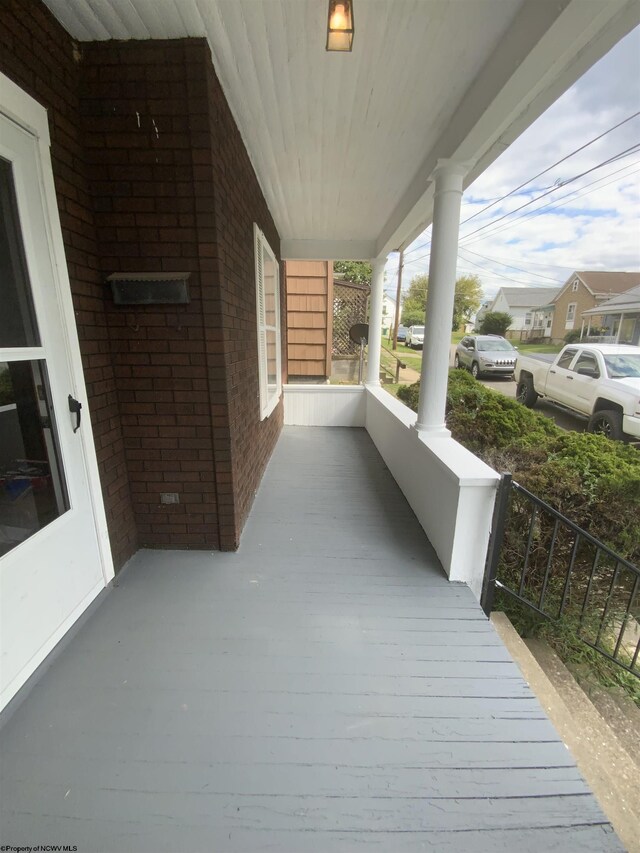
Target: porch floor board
325	688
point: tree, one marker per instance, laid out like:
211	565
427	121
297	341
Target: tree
414	301
467	299
495	323
359	272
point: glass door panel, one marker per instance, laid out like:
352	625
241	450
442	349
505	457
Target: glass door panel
33	491
32	488
52	563
17	316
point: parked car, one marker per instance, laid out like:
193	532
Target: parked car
415	337
601	381
486	355
402	334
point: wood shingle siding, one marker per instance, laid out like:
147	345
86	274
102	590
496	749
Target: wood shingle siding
309	317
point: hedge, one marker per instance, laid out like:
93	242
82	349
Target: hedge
589	478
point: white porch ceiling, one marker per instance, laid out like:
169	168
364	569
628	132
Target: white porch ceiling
344	144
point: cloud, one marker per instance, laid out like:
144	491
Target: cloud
588	222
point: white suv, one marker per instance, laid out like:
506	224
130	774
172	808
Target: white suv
415	337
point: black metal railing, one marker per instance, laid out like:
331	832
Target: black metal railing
399	364
543	560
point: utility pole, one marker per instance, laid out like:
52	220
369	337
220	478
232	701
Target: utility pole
398	295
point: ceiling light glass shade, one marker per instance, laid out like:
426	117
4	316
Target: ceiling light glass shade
340	26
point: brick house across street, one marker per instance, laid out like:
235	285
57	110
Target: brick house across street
239	613
583	291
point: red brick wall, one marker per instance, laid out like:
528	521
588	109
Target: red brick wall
141	135
40	57
238	204
174	190
152	175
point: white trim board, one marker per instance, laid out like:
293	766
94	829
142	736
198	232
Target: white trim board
325	405
32	116
50	578
450	490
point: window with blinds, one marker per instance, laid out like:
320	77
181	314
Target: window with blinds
268	311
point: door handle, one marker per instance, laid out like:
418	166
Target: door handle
552	371
570	377
74	408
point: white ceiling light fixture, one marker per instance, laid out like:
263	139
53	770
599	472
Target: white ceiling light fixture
340	26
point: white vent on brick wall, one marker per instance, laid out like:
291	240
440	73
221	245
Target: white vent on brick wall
268	311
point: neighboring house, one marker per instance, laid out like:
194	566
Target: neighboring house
158	163
321	309
388	313
619	317
309	287
482	310
525	305
584	290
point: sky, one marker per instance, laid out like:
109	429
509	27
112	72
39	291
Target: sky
592	223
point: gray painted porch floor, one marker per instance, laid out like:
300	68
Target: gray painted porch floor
323	689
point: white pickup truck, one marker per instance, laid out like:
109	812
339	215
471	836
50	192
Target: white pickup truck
601	381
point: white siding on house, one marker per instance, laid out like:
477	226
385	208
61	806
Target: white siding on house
518	313
522	303
388	312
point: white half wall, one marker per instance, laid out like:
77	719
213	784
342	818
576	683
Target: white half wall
450	490
325	405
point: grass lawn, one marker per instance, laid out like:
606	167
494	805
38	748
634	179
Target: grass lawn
413	358
552	348
456	337
401	347
408	361
414	362
409	357
392	388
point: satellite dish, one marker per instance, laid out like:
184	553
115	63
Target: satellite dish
359	332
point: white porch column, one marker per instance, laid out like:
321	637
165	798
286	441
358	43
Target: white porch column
448	177
375	321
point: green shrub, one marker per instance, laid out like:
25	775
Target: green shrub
495	323
572	336
409	395
586	664
589	478
592	480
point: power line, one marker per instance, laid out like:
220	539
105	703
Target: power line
511	266
484	269
548	169
543	172
554	204
417	248
497	274
415	260
500	258
613	159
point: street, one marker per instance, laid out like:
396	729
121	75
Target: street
561	417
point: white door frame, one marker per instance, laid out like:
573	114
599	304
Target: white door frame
25	111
